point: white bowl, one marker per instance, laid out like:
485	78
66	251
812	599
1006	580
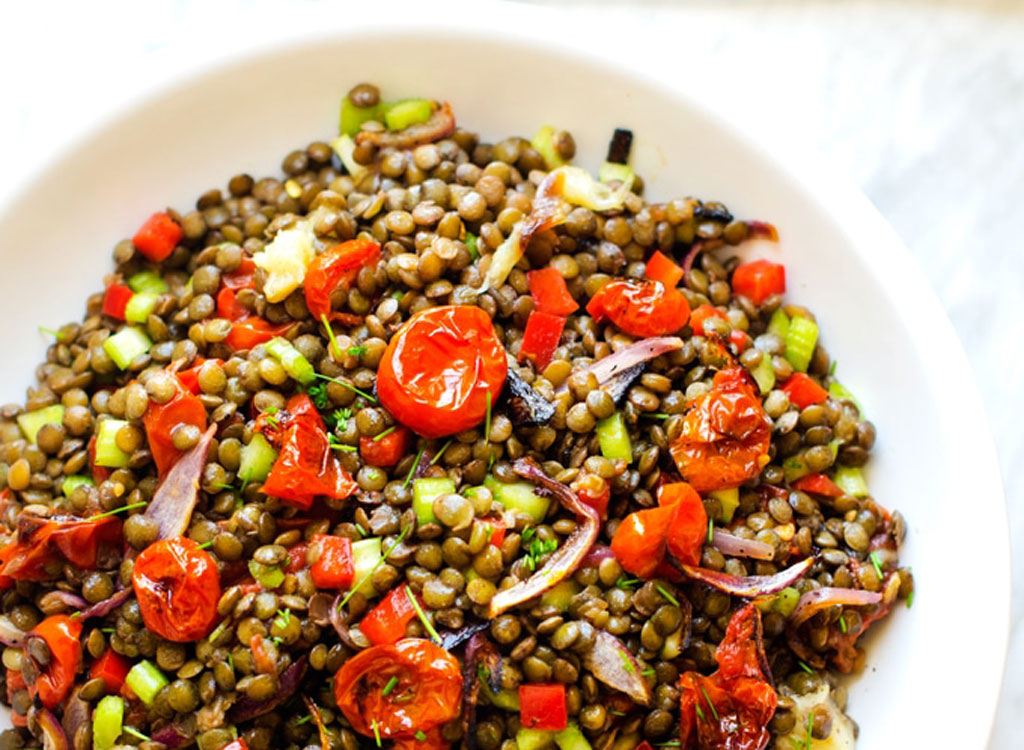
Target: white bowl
934	670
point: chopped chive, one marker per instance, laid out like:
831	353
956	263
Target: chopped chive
204	545
231	661
376	732
386	432
804	667
656	415
876	564
419	455
700	714
810	726
613	712
487	419
107	630
303	720
714	711
223	486
361	530
122	509
910	600
383	558
390	686
357	351
135	733
626	583
842	623
330	334
48	331
437	456
648	672
626	663
420	735
351	387
711	531
423	618
664	593
337	445
832	367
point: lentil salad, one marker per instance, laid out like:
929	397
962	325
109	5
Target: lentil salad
242	514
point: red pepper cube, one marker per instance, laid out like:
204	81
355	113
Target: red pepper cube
803	390
541	337
115	300
817	484
661	268
759	280
385	624
112	668
550	293
496	528
387	450
335	568
702	313
543	707
158	237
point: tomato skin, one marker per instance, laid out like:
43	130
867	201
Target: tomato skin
334	569
428	692
661	268
112	668
37	551
540	338
640	540
242	277
178	587
157	238
184	407
702	313
550	293
725	436
817	484
253	331
386	623
640	308
688	528
336	266
759	279
228	306
115	300
439	368
543	707
388	450
61	633
15	682
803	391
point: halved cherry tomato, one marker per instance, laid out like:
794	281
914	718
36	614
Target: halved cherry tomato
540	338
334	569
157	238
184	407
253	331
41	544
178	588
737	702
679	523
427	694
640	308
688	528
387	450
336	266
803	390
543	707
817	484
549	292
112	668
228	306
56	679
440	368
702	313
661	268
386	622
725	435
242	277
759	280
115	300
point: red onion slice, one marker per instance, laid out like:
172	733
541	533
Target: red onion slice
636	353
53	733
613	664
598	553
288	684
730	544
176	497
170	737
440	125
814	601
105	607
749	586
73	601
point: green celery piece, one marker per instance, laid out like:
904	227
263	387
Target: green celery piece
614	438
764	374
518	496
366	554
424	491
140	306
127	344
297	366
851	481
544	143
148	281
786	601
534	739
73	481
610	171
779	323
571	738
257	459
345	147
32	421
146	680
107	722
352	117
507	700
730	500
560	595
408	112
795	467
839	391
801	338
107	452
471	245
270	576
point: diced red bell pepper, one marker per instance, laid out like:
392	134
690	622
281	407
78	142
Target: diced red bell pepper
335	568
388	450
540	339
385	624
817	484
661	268
112	668
160	419
759	280
115	300
158	237
242	278
497	527
549	292
741	339
543	707
250	332
702	313
228	306
190	378
803	390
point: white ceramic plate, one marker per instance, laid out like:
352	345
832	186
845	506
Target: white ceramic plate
934	670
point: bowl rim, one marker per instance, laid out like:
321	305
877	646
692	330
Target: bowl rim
832	195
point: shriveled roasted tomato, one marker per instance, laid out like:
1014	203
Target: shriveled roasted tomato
56	679
428	692
305	466
640	308
184	407
731	709
689	525
725	435
336	266
42	544
679	524
178	587
438	369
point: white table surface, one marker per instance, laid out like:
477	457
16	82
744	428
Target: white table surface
920	103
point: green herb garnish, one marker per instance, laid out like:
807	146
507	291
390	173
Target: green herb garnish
362	532
318	393
330	334
389	686
337	445
805	667
420	735
423	618
700	714
351	387
656	415
648	672
626	584
714	711
842	623
386	432
357	351
711	531
876	563
122	509
204	545
664	593
340	418
284	617
437	456
487	419
303	720
613	712
419	455
626	663
910	600
376	732
48	331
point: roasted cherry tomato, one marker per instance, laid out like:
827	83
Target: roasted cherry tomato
242	277
725	436
336	267
594	491
157	238
15	682
679	523
758	280
803	390
737	702
688	528
178	587
56	679
112	668
428	692
250	332
387	450
440	369
228	306
640	308
184	407
540	338
43	543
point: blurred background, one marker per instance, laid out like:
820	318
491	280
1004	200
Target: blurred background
920	103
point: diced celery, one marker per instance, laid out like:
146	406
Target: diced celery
107	722
614	438
127	344
672	646
257	459
801	339
270	576
146	680
610	171
297	366
730	500
107	452
560	595
794	467
507	700
851	481
571	738
833	446
839	391
786	601
345	147
73	481
534	739
764	374
544	143
779	323
148	281
424	492
32	421
408	112
353	117
366	553
140	306
518	496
